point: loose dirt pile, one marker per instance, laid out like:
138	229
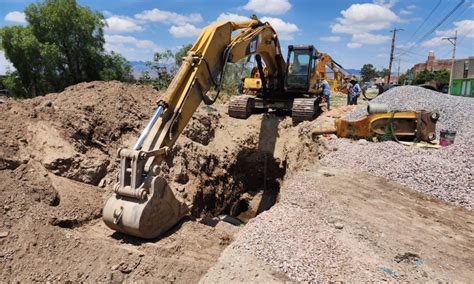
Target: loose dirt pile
446	173
58	164
76	133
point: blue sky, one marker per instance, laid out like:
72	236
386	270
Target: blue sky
352	32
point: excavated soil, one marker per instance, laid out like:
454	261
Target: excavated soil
58	165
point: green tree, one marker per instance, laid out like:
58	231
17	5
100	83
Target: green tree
62	44
441	77
32	60
181	53
116	67
383	73
145	78
165	64
423	77
368	72
75	30
162	64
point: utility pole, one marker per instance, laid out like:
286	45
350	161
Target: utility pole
394	32
453	41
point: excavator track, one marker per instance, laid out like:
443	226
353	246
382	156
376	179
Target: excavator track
304	109
241	107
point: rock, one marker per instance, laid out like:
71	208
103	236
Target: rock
115	267
103	183
47	103
339	226
4	234
362	142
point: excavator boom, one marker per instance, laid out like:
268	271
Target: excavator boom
143	204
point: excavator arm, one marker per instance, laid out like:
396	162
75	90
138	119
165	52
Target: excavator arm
143	204
325	60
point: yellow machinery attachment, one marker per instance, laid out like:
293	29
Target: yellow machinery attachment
253	83
406	125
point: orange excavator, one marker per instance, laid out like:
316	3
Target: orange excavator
326	61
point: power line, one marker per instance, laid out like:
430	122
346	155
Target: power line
443	20
439	25
425	20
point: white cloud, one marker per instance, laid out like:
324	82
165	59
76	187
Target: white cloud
284	29
186	30
389	4
353	45
434	42
405	12
131	48
167	17
411	7
362	18
464	28
107	13
16	17
224	17
122	24
5	65
330	38
407	45
368	38
271	7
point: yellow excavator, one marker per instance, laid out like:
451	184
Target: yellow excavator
143	204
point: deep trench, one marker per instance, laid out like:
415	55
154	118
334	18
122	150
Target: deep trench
252	183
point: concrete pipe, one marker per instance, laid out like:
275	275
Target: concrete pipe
377	108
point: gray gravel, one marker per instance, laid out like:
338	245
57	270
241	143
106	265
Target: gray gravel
298	236
446	173
456	112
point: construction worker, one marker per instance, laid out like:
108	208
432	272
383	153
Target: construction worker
356	91
326	92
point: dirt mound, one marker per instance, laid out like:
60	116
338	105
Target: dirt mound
75	133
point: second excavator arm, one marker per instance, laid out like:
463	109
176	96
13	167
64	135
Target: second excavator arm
325	60
143	204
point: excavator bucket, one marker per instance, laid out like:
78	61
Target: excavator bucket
147	217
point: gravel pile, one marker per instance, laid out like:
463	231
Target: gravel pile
297	236
456	112
446	173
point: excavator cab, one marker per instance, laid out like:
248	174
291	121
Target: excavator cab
301	61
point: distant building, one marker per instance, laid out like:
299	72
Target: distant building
431	64
463	77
